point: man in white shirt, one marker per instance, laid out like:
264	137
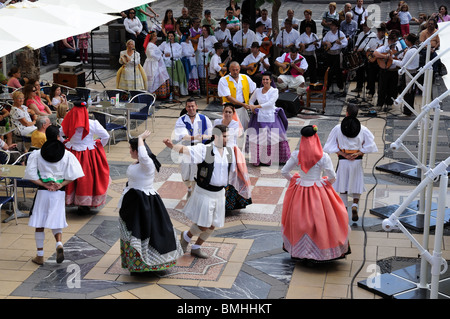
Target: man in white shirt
360	14
237	88
334	41
255	59
307	43
388	77
214	64
293	79
413	65
361	45
191	129
288	37
223	36
266	21
242	41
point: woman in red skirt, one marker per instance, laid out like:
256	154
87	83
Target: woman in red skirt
90	190
314	219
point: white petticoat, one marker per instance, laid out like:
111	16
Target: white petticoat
206	208
49	210
350	177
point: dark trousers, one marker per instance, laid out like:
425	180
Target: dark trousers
368	72
334	63
311	72
387	87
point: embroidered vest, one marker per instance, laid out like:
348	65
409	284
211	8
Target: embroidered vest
191	129
293	71
245	88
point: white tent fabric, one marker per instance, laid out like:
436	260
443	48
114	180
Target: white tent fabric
36	24
99	6
444	37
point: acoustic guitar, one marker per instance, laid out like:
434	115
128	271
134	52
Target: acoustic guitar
288	64
265	47
385	63
327	48
222	73
306	45
253	67
195	44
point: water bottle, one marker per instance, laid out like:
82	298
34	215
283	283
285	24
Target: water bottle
7	124
89	101
170	97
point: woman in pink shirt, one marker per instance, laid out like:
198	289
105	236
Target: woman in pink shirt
33	101
14	76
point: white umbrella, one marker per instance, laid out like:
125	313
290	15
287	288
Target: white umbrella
100	6
38	24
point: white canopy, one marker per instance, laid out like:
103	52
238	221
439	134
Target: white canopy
36	24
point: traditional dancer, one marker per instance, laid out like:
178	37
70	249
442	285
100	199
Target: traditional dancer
206	207
52	168
314	219
148	240
90	190
350	141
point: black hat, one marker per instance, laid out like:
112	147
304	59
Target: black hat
308	130
350	126
53	150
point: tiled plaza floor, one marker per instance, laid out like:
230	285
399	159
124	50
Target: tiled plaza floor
246	257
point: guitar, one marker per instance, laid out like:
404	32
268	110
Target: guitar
222	73
253	67
385	63
195	44
327	48
306	45
265	47
288	64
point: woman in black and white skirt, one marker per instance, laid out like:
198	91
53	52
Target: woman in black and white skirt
147	238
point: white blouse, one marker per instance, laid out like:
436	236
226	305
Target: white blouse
78	143
18	113
68	168
267	102
364	141
173	49
314	175
141	174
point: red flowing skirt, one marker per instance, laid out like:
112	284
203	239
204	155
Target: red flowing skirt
90	190
314	222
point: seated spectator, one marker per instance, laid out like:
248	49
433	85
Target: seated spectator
34	102
3	78
4	117
23	120
168	23
38	137
15	80
69	48
40	92
57	98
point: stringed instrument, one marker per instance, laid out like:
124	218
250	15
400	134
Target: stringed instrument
265	47
327	48
370	57
288	64
222	73
385	63
253	67
306	45
195	44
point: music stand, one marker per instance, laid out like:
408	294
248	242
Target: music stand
93	73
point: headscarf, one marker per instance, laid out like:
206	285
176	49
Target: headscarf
77	117
310	150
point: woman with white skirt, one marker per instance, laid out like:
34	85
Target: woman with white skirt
51	168
206	206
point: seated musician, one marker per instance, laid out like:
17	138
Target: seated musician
256	59
307	44
388	76
361	46
223	36
334	41
288	37
242	41
215	64
260	36
293	79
